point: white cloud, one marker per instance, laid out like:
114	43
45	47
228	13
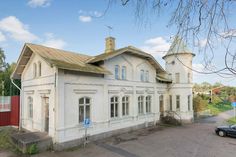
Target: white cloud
202	43
87	16
83	18
229	33
39	3
53	42
17	30
2	37
156	46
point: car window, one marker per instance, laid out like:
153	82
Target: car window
234	127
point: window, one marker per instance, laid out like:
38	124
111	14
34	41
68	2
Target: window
170	76
117	72
140	104
177	77
30	107
147	76
125	106
189	102
35	70
123	73
170	97
142	75
84	109
148	104
114	106
40	71
189	78
177	102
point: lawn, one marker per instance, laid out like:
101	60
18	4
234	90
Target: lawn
232	120
219	107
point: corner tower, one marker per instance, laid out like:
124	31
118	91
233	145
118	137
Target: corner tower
179	67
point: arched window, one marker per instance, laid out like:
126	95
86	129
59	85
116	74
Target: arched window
40	70
148	104
125	106
140	104
84	109
147	76
114	106
35	70
30	107
123	72
142	75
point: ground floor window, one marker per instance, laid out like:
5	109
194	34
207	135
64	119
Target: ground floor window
30	107
170	97
125	106
189	102
140	104
148	104
114	106
84	109
177	102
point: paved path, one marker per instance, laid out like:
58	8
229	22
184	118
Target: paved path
195	140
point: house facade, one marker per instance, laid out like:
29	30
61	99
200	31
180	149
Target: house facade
118	90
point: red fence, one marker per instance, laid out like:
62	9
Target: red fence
11	117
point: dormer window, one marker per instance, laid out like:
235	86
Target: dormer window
123	72
142	75
34	70
147	76
117	72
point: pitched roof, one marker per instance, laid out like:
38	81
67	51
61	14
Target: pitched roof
130	49
178	46
59	58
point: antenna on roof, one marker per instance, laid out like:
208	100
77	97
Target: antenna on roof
110	28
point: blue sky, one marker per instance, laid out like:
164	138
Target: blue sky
72	25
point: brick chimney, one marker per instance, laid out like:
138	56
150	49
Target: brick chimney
110	44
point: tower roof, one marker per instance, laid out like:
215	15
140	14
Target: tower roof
178	46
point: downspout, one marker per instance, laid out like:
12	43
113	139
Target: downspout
20	120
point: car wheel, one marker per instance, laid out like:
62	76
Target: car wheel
221	133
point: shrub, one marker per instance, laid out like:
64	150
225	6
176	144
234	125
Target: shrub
199	104
32	149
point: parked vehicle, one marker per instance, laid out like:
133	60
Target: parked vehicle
229	130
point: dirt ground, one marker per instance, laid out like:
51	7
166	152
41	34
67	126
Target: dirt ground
195	140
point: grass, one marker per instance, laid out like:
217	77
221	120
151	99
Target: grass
232	120
5	139
219	107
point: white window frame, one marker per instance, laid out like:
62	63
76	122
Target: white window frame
85	105
142	75
123	73
125	105
115	104
141	104
117	72
39	69
148	104
147	76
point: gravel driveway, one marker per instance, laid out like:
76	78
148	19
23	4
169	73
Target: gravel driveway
195	140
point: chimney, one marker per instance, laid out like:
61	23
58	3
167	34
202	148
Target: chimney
110	44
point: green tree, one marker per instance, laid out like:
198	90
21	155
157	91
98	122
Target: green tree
199	104
2	59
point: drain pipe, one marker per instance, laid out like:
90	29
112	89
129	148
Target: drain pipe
20	122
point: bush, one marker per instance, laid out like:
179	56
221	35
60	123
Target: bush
32	149
199	104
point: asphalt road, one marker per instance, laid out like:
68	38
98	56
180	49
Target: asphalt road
194	140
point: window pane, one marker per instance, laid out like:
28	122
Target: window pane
116	110
81	114
117	72
112	110
87	111
87	100
123	109
81	101
123	72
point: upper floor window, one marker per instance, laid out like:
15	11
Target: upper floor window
114	106
189	78
40	70
117	72
148	104
177	102
84	109
147	76
125	106
177	77
35	70
123	72
142	75
140	104
30	107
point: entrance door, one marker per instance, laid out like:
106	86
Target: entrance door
46	113
161	102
